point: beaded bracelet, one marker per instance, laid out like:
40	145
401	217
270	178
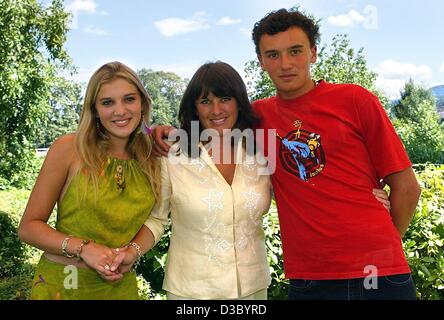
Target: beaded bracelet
80	248
139	253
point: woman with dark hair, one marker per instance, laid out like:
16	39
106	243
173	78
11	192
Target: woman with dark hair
217	248
221	80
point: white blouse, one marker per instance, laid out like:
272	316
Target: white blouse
217	246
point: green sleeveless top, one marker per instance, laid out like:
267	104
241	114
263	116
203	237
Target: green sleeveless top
114	214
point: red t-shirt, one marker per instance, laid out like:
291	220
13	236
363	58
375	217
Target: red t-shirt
334	144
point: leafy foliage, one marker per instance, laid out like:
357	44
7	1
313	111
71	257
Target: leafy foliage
418	124
166	90
279	285
31	52
424	240
12	253
339	63
65	107
17	287
259	84
152	264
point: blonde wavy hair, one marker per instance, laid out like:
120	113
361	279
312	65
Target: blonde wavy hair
93	147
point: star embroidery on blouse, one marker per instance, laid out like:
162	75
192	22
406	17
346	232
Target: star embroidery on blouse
214	200
252	199
222	246
197	164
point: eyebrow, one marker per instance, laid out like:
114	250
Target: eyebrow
127	95
297	46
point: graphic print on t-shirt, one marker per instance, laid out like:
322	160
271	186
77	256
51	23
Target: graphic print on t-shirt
301	152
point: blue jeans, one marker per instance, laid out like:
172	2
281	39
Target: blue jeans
394	287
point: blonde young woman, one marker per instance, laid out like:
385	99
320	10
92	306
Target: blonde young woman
105	182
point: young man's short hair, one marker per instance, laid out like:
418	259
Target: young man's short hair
281	20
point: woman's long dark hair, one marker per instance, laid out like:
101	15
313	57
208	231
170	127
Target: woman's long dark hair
222	80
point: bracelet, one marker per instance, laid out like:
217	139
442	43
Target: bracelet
80	248
64	246
139	253
137	247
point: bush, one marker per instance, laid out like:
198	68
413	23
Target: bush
424	240
24	178
418	124
152	266
12	251
18	287
279	285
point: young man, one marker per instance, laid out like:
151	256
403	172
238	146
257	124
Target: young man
335	143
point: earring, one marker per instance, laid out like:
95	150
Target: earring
99	131
145	128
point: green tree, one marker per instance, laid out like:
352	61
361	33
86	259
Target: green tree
339	63
66	105
411	96
418	124
259	84
31	52
166	90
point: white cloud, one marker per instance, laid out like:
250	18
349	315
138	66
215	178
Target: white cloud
224	21
391	69
347	20
82	6
392	87
442	68
88	6
173	26
392	75
96	31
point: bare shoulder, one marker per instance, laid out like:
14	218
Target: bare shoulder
63	151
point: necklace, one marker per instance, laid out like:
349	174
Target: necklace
120	178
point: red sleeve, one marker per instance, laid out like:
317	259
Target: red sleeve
386	149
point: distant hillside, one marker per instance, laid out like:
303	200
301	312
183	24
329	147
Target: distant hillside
438	92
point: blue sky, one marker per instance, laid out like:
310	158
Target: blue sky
400	38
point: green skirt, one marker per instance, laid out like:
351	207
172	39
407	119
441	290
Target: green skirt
54	281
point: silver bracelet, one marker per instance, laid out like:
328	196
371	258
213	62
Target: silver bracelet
137	247
139	253
64	246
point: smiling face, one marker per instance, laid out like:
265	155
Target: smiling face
119	108
217	113
286	57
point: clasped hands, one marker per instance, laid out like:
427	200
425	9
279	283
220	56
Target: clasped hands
109	263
